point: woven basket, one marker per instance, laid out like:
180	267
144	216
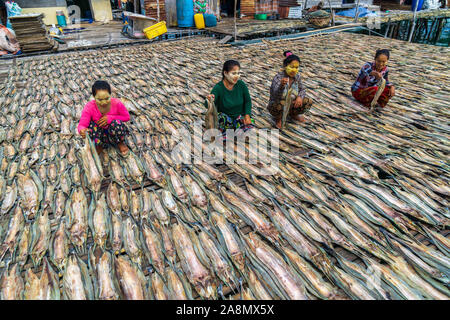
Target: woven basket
320	22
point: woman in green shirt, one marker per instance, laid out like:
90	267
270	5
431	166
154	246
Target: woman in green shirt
232	100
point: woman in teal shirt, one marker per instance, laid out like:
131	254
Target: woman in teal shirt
232	100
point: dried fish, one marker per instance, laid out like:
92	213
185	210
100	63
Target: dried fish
77	219
42	287
77	282
131	279
11	283
40	237
106	285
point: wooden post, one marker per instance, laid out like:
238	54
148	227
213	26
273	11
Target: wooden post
409	28
391	34
356	12
135	6
235	26
440	27
435	37
332	17
416	31
430	32
397	27
387	28
404	24
331	12
414	21
157	9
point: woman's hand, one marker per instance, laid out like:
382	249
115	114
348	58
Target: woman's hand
298	102
391	91
210	97
83	132
376	74
103	121
284	81
247	119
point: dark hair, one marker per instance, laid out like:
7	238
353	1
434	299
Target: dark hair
286	52
100	85
320	5
228	65
289	59
382	51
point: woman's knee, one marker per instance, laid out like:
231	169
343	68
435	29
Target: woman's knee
92	125
116	123
117	127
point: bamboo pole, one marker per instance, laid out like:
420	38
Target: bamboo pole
417	31
356	12
440	27
406	25
157	9
387	28
432	35
429	32
394	35
397	30
331	11
414	21
391	34
235	26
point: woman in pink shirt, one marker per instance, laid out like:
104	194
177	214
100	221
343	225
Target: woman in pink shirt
104	119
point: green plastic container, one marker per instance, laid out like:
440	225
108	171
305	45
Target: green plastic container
261	16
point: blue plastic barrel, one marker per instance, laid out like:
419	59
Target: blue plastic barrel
210	20
419	6
185	13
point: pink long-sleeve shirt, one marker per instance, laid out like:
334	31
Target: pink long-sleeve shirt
91	113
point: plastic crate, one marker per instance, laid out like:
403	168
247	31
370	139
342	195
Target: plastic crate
155	30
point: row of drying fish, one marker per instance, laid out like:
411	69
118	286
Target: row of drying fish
365	184
148	207
211	250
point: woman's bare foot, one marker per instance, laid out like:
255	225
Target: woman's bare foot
123	148
99	150
299	118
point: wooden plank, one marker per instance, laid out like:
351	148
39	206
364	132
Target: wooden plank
225	39
171	12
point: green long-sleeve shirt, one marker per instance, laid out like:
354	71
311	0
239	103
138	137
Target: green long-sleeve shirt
233	102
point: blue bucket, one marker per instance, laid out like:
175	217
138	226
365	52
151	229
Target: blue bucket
61	18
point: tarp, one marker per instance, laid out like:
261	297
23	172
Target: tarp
362	12
12	9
